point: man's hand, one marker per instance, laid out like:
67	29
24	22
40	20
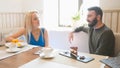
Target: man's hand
71	37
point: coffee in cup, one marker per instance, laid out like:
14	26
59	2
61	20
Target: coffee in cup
47	51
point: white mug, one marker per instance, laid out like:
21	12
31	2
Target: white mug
12	46
47	51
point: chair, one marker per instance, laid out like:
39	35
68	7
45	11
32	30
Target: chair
117	44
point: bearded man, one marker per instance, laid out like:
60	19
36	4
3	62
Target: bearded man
101	38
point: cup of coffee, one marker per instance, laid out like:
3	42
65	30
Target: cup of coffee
47	51
12	46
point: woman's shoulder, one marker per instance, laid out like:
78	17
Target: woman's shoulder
43	29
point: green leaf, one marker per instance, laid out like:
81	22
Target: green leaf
76	17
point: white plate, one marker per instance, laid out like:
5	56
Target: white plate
13	50
22	44
42	55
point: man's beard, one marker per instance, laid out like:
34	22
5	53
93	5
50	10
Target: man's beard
93	23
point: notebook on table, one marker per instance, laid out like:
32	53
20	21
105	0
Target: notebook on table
113	62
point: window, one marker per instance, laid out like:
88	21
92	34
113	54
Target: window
59	12
66	9
50	13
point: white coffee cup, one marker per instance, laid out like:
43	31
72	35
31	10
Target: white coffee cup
47	51
12	46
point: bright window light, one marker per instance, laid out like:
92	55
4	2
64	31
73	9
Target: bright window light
58	13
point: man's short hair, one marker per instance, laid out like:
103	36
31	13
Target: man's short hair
98	10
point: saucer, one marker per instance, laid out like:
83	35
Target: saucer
42	55
13	51
19	44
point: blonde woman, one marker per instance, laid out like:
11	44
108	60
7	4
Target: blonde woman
34	34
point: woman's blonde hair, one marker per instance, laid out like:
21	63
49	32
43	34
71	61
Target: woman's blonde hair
28	24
